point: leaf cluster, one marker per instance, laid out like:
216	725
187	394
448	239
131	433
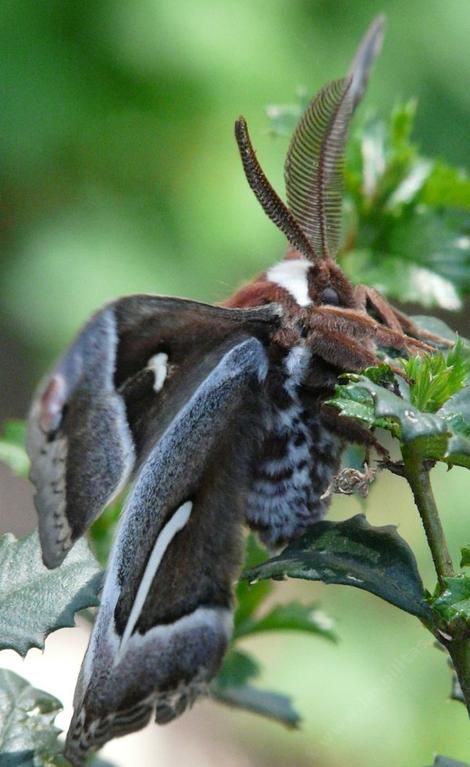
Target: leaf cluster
428	408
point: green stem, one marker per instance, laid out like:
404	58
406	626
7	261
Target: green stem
459	651
458	645
418	479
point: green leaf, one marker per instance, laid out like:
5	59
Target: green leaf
12	451
454	603
237	669
35	601
356	554
465	556
400	278
433	411
249	597
456	414
389	411
356	402
231	687
28	735
437	377
444	761
290	617
436	242
408	217
271	705
447	186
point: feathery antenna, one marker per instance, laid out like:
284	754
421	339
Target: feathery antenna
314	166
313	170
364	58
269	200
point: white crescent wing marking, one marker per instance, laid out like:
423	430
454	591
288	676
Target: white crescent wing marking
167	533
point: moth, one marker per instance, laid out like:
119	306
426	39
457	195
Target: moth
216	417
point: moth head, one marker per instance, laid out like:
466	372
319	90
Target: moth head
313	169
327	285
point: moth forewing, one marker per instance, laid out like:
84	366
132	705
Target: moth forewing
165	616
89	420
79	441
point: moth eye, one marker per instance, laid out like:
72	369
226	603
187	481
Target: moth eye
330	296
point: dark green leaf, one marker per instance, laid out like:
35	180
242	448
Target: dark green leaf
290	617
356	402
271	705
433	410
399	277
437	243
28	735
456	415
454	602
34	600
249	598
444	761
465	556
237	669
356	554
12	451
389	411
408	217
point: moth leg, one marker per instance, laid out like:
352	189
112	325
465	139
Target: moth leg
401	342
341	350
369	296
352	431
411	329
347	353
393	318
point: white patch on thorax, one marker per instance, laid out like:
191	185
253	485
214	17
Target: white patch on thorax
297	365
158	364
166	535
292	276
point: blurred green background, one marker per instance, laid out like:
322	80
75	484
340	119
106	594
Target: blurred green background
120	173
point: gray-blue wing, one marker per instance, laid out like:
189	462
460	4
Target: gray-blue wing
165	616
95	414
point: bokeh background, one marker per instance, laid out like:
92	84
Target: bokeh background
119	174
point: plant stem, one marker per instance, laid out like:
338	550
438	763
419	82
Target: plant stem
417	475
418	479
459	651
